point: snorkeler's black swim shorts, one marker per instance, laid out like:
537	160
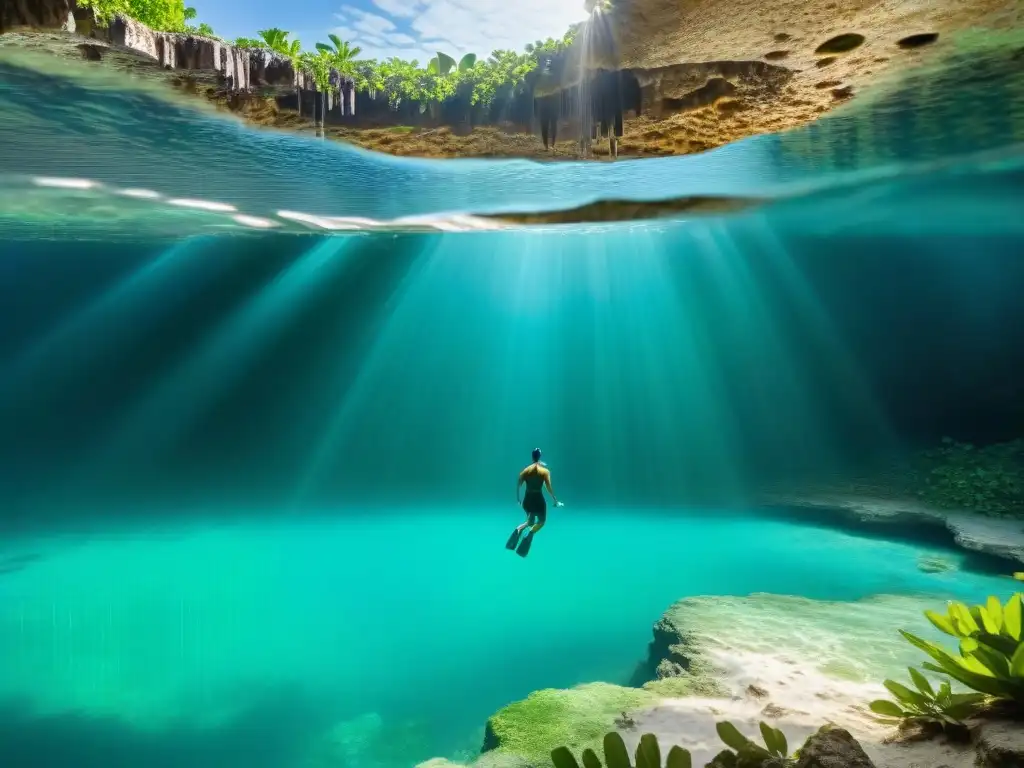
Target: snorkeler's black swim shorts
536	507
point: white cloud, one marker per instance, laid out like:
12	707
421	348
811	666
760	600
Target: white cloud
400	9
415	29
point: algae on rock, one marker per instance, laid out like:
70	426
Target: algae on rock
577	718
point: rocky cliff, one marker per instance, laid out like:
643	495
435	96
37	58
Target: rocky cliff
37	14
127	44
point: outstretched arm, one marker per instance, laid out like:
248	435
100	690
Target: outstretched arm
547	484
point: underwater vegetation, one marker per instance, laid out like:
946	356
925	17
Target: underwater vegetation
988	479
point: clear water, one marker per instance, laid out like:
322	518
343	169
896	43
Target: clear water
245	643
256	484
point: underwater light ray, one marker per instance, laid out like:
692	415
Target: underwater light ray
89	335
393	315
783	388
164	414
678	363
825	334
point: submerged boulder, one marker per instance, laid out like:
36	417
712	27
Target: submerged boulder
833	747
998	744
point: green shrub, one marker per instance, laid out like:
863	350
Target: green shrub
991	654
161	15
926	706
648	755
746	753
989	480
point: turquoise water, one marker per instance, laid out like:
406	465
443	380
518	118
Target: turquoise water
256	473
248	643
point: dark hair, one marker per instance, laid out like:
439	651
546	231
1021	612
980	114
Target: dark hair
536	454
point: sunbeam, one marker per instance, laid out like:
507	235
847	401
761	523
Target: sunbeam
98	331
225	356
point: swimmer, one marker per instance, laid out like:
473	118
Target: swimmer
536	477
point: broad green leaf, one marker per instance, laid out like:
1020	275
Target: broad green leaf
591	760
942	623
905	695
995	609
465	63
730	736
994	662
968	645
648	753
1017	662
957	699
445	63
769	738
979	683
562	758
615	753
753	752
921	682
988	621
780	741
962	618
1011	617
998	643
678	758
973	664
886	708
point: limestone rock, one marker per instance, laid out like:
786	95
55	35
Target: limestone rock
38	14
999	744
833	747
576	718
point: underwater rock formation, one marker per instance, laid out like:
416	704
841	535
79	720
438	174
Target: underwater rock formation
998	743
996	536
833	747
578	717
734	658
792	662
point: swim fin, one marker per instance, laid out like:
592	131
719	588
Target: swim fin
513	540
524	545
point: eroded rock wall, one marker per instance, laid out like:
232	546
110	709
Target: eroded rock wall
37	14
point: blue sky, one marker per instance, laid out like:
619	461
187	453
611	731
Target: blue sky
411	29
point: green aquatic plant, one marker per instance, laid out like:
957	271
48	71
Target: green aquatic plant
648	755
991	653
925	705
988	480
747	753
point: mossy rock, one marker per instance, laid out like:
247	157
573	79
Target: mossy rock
934	564
576	718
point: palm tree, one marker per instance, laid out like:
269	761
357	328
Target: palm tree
343	58
277	41
318	65
342	50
